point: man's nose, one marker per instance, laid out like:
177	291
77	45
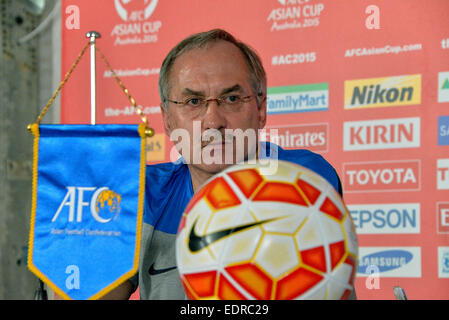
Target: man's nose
213	118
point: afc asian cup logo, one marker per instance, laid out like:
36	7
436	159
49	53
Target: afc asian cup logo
135	10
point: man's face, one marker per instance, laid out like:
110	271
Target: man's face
218	70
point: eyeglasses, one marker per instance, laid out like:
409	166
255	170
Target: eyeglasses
230	102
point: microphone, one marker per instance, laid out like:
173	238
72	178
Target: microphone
399	293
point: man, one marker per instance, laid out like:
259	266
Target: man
213	83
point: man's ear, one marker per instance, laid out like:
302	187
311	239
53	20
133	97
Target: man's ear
166	119
262	109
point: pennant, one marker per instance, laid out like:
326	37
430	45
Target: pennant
87	206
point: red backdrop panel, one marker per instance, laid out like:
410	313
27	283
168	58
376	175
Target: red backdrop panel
383	76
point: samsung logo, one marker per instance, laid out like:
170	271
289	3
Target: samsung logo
385	260
402	262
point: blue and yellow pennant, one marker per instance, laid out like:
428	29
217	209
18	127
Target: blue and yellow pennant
87	206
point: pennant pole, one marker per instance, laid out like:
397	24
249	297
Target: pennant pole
93	105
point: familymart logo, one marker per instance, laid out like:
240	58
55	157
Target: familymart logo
298	98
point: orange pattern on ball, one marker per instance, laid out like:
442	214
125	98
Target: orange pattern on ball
254	280
247	180
282	192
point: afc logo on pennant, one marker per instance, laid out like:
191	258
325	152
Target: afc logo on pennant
104	204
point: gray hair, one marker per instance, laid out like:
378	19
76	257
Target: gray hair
257	75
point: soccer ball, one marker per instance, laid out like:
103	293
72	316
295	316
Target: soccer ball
250	235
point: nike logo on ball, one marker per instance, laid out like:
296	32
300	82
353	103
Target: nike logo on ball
154	272
196	242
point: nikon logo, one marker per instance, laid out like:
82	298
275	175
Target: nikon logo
383	92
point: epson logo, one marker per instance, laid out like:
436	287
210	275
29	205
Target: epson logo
381	134
402	262
390	218
379	176
383	92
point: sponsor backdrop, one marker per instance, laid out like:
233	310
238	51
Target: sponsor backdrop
366	86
